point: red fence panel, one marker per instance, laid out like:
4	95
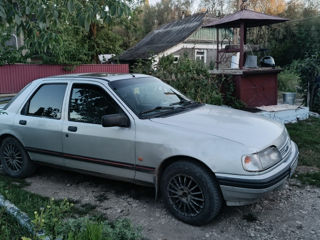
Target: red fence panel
14	77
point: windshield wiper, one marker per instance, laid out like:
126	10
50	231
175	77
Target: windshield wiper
182	100
156	109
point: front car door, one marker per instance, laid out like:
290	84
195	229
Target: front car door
89	146
39	125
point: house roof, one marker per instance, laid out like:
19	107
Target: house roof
163	38
250	18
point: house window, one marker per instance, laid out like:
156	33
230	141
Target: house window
201	55
176	58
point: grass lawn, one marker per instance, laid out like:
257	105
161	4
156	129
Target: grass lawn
82	222
307	136
10	228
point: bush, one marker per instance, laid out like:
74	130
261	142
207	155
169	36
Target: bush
192	78
308	70
288	81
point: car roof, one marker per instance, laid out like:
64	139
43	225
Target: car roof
102	76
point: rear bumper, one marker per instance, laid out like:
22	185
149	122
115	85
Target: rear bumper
242	190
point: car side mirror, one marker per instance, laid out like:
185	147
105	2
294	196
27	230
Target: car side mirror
115	120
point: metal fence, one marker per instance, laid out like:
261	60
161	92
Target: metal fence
14	77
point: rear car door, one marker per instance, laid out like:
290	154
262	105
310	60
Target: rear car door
89	146
39	124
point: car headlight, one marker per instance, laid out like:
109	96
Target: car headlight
262	160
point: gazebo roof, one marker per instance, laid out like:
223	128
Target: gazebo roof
248	17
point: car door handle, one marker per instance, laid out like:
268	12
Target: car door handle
72	129
23	122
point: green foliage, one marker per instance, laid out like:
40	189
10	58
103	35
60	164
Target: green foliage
50	217
288	81
107	41
192	79
294	39
9	54
61	32
309	71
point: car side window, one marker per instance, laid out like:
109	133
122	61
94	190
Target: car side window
46	102
88	103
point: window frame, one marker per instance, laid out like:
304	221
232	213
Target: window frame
24	110
204	55
176	58
96	85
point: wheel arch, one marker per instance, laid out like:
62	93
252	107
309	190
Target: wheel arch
5	135
168	161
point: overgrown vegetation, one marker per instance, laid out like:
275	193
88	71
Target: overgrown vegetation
308	70
288	81
192	79
58	218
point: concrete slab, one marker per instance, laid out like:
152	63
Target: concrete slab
284	113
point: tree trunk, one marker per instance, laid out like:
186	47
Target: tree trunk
92	37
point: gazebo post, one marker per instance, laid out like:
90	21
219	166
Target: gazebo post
242	39
217	48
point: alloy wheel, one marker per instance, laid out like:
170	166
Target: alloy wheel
185	195
12	157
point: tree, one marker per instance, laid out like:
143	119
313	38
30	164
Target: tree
215	7
297	38
272	7
164	12
44	22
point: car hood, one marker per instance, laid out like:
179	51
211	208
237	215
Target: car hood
245	128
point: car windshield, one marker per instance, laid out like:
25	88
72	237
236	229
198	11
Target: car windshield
150	97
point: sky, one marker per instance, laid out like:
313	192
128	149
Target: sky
194	7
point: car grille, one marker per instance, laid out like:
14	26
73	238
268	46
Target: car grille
285	149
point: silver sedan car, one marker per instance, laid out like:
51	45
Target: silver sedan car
137	128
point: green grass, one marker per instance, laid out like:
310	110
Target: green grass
58	217
307	136
10	228
12	190
27	202
310	178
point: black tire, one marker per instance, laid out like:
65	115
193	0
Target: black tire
15	160
191	193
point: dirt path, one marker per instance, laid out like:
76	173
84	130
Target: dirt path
291	213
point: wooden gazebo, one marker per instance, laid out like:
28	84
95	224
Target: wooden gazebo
255	86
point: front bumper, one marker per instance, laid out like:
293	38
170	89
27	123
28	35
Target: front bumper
242	190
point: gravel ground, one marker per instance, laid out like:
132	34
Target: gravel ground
289	213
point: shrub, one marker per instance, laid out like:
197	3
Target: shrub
192	78
288	81
308	70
